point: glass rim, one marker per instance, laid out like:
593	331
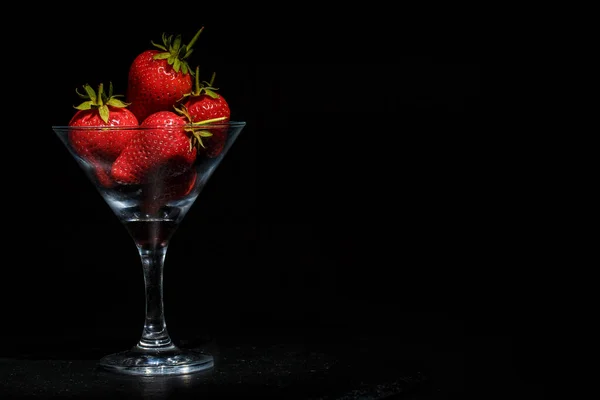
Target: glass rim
234	124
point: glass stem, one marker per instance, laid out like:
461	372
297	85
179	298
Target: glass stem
155	335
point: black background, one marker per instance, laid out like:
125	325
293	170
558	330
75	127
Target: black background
361	197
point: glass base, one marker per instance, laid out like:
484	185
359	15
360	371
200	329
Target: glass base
170	361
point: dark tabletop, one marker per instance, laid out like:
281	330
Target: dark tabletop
276	367
430	357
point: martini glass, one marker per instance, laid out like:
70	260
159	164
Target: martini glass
151	212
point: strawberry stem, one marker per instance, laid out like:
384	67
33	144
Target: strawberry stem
208	121
196	90
100	93
201	88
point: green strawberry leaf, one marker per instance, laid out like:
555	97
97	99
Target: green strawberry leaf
116	103
110	90
176	44
197	138
160	46
103	110
210	93
83	96
161	56
86	105
90	92
193	41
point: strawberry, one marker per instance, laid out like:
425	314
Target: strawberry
158	78
97	146
159	193
165	147
204	103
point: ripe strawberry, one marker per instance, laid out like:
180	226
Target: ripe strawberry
162	150
204	103
159	193
158	78
97	146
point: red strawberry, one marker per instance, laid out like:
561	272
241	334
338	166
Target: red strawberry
159	192
204	103
158	78
162	150
101	147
